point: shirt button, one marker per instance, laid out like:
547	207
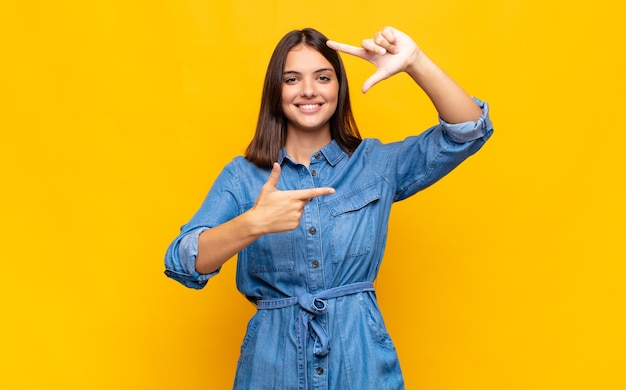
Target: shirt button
315	264
316	155
312	230
320	370
314	173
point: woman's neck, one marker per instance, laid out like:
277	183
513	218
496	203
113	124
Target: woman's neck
300	145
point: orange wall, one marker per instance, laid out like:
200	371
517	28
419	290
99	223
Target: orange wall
117	115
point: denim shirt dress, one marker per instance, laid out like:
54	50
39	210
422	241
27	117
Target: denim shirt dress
318	324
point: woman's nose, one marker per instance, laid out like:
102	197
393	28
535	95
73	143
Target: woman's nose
308	89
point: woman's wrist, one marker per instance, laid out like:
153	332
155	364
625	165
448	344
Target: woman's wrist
252	223
419	67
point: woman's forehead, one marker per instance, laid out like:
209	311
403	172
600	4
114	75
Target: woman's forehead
305	58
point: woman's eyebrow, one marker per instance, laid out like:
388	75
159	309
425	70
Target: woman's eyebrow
317	71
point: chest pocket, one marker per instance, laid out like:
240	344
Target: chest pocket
354	222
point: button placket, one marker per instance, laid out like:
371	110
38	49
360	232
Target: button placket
310	221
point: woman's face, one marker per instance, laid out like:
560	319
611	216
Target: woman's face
310	90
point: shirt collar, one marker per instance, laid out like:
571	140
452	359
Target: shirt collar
331	152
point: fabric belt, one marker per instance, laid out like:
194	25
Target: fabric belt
311	305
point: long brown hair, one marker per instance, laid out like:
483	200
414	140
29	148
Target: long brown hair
271	129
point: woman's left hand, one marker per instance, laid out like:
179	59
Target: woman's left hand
391	50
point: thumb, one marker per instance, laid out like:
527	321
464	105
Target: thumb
272	181
374	79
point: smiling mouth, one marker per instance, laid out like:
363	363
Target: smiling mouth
308	106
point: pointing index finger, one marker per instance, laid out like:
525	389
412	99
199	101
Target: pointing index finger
313	192
345	48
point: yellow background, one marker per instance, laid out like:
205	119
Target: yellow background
116	116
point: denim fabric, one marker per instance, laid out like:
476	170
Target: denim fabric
340	242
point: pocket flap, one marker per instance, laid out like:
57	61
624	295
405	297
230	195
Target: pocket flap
355	200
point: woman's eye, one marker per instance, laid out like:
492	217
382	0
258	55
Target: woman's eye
290	80
324	78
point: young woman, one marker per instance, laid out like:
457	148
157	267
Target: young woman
307	211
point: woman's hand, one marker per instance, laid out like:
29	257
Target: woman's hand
391	50
278	211
274	211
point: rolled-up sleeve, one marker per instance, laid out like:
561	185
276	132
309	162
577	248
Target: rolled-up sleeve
469	131
219	206
180	260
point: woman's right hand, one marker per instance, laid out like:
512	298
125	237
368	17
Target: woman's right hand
278	211
275	211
